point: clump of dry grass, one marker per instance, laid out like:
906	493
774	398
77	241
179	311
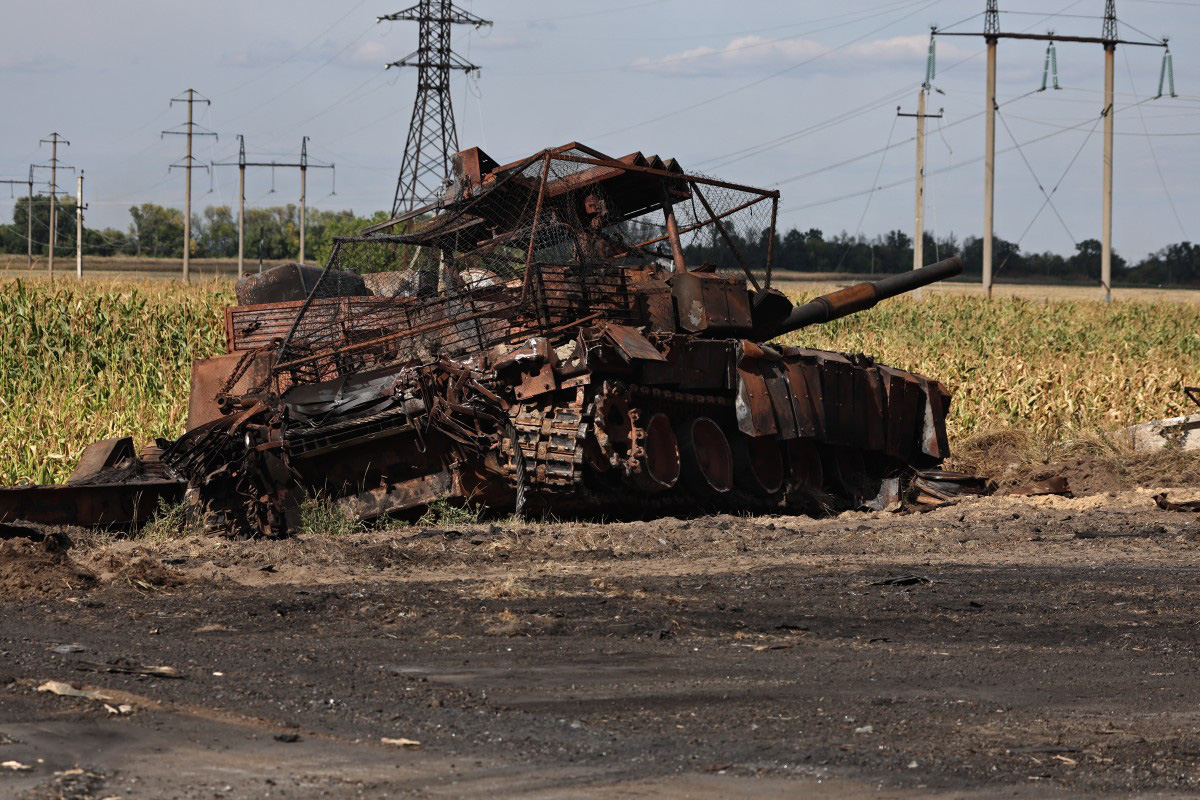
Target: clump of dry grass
1013	456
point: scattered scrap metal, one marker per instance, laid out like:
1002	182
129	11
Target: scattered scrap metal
536	340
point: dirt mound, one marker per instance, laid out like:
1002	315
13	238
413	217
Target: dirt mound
30	567
144	571
1092	463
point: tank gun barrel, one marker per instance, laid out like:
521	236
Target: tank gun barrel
862	296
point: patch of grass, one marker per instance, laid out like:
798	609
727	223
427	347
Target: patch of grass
320	515
170	521
442	513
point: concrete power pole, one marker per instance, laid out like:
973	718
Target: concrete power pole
1108	38
1109	35
29	220
189	97
53	141
241	204
28	212
919	214
991	30
303	165
303	191
79	227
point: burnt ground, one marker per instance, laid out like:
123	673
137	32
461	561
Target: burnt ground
1001	647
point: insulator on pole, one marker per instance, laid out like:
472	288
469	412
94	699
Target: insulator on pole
1171	73
1050	67
931	61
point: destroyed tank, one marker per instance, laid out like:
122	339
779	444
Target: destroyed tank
537	341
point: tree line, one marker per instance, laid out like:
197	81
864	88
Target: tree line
812	251
274	234
157	232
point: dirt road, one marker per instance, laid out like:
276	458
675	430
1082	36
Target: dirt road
1001	647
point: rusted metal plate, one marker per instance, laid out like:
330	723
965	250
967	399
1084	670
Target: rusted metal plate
875	410
657	305
630	344
399	496
534	383
102	455
801	400
210	375
694	364
933	433
752	406
108	505
781	401
906	412
711	302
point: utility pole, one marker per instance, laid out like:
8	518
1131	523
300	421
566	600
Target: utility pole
919	224
189	97
432	137
241	203
28	211
303	165
29	220
303	187
1108	38
1110	52
53	141
79	227
991	30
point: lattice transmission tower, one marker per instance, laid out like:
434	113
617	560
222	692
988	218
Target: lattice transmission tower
432	137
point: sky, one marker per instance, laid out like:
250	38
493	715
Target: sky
798	95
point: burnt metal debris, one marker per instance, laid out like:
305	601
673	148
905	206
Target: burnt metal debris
534	341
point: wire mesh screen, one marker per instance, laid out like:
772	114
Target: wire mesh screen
536	248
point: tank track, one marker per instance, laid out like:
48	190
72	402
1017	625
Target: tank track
562	469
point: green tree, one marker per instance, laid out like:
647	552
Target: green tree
157	231
216	233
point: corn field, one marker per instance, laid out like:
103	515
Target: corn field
81	363
1051	367
84	362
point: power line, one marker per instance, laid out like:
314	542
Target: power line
262	104
764	79
1154	155
585	14
870	195
1061	178
1033	173
296	52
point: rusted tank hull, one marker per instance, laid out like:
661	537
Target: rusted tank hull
610	423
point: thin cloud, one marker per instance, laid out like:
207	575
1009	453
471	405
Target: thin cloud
267	54
752	54
41	64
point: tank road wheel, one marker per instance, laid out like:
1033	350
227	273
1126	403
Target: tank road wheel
707	459
804	465
653	464
758	462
